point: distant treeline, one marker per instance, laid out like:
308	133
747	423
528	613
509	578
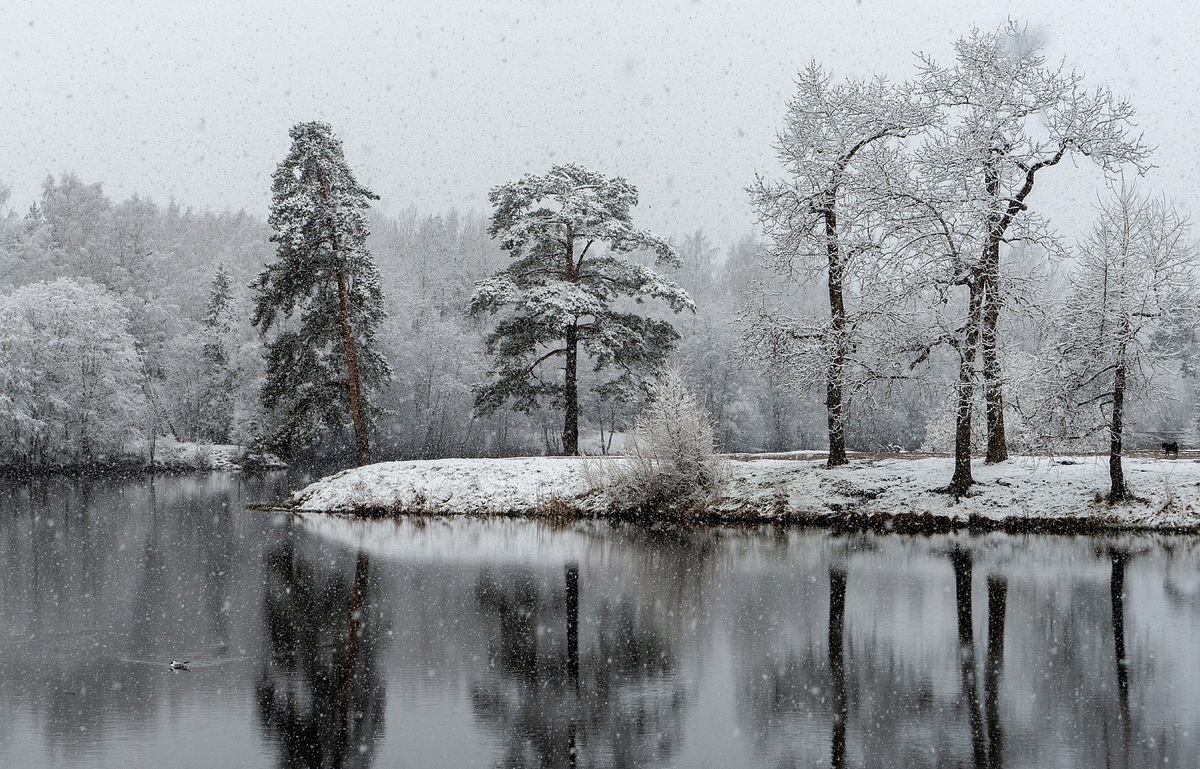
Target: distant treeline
123	321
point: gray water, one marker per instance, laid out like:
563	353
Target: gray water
323	642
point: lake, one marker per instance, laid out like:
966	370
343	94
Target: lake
324	642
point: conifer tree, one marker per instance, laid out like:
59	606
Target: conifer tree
216	396
321	294
218	317
570	234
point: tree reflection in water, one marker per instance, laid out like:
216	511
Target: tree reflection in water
561	701
986	746
837	664
320	695
962	562
1117	592
997	611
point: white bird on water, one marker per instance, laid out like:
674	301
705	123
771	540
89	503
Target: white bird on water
180	665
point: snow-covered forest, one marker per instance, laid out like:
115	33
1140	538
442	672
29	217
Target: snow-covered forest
134	288
901	279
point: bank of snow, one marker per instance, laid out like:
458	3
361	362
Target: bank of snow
1062	493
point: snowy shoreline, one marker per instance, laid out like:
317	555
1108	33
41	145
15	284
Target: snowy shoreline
1059	494
170	456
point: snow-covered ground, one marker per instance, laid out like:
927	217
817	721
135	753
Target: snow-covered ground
1025	491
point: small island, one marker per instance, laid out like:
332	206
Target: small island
894	493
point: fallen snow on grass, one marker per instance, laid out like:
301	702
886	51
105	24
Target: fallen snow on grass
1024	488
450	486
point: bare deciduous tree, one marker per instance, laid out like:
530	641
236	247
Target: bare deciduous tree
1136	276
1005	117
819	221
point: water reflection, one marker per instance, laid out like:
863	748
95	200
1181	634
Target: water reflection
320	694
837	664
613	702
330	643
1117	591
997	607
962	562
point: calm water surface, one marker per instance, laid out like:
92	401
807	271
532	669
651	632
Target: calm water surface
329	643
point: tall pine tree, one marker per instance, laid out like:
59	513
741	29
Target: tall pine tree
568	290
321	364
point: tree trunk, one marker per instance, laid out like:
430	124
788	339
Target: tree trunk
835	375
962	480
360	427
570	435
993	384
1116	473
993	393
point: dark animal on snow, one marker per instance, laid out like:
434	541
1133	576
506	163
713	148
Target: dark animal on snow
1171	449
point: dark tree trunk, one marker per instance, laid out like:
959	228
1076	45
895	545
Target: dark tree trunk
570	435
360	426
962	480
1116	472
993	384
993	379
835	375
961	560
997	605
1001	218
837	665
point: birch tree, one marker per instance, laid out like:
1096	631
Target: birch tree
819	220
1005	118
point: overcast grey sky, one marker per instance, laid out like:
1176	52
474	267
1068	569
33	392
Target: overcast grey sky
437	100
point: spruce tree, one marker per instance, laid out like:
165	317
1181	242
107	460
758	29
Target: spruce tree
321	294
216	397
568	291
218	318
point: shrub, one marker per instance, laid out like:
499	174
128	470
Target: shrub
670	462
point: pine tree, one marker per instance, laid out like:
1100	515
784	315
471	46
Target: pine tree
321	364
570	235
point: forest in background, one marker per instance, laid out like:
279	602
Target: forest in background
137	284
